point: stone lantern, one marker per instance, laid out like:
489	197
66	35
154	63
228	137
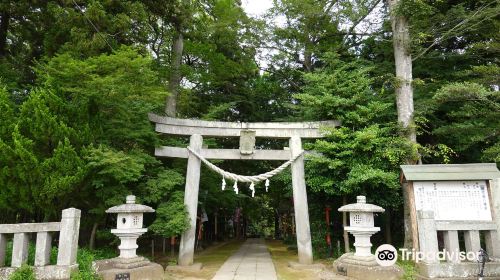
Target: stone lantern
129	225
361	224
363	264
128	228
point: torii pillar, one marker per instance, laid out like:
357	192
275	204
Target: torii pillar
300	206
188	238
197	129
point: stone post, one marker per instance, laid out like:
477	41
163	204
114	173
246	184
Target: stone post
3	248
451	245
495	201
300	203
20	249
472	241
186	248
428	236
43	246
68	236
492	243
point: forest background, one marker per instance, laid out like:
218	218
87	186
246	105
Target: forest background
79	77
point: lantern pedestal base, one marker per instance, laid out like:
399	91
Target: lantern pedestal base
136	268
129	262
365	268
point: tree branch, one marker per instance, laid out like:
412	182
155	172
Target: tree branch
362	17
445	35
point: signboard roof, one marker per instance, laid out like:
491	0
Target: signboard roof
447	172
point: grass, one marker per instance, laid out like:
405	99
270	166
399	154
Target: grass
409	269
211	258
85	257
281	255
25	272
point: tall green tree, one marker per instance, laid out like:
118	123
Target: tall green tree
82	139
168	22
224	40
472	126
30	31
341	90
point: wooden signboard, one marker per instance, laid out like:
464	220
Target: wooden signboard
456	193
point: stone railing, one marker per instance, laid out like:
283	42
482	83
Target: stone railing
68	230
428	229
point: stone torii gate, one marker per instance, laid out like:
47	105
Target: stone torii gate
247	132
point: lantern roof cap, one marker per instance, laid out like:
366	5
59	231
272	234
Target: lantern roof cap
361	206
130	207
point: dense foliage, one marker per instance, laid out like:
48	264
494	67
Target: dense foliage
363	155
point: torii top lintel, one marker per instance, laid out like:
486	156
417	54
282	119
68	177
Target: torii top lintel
177	126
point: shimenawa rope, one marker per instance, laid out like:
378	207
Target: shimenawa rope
241	178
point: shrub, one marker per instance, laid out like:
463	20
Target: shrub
25	272
85	257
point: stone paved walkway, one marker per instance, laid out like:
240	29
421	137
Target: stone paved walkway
251	262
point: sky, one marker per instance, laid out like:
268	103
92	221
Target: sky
256	7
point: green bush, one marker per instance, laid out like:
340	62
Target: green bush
85	257
409	269
8	253
318	239
25	272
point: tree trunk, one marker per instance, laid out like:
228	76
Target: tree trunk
402	58
245	228
216	228
164	245
277	233
238	229
175	75
307	60
344	224
153	248
200	231
92	236
404	94
388	233
172	246
224	228
4	28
